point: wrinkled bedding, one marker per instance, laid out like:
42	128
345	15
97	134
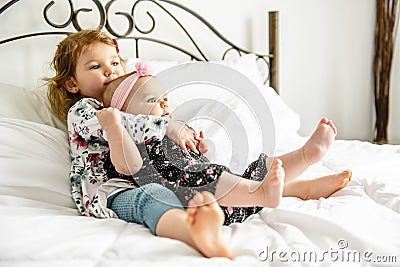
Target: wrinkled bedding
40	225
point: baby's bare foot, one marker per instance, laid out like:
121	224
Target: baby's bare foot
320	141
271	188
323	186
205	220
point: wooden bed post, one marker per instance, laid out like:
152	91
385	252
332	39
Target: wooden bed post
274	49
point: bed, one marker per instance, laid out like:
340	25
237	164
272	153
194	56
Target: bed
40	225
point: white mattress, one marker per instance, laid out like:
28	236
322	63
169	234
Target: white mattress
40	225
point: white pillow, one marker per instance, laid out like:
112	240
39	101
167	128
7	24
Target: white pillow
156	66
286	121
245	64
30	105
34	163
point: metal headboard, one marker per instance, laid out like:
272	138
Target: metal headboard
139	35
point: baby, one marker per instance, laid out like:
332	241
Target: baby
188	172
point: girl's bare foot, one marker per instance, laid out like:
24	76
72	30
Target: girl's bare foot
319	142
271	188
317	188
205	220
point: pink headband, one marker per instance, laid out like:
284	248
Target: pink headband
125	87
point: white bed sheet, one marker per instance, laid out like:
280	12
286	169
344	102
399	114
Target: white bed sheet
361	219
40	226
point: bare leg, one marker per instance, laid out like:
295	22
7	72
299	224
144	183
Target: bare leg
233	190
198	227
317	188
205	219
314	149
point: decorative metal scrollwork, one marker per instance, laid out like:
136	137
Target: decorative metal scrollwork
73	17
129	17
143	34
153	21
58	26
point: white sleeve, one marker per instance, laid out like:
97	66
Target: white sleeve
143	127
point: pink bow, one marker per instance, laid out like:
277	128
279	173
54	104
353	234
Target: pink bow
124	88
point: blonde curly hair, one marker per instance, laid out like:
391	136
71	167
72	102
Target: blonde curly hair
64	64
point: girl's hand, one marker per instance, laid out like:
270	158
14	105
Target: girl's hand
108	118
201	145
124	153
182	135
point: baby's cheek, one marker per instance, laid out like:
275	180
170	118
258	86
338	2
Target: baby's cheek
154	110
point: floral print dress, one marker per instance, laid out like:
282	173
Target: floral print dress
90	161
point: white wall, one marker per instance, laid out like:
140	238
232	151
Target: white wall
394	119
325	62
326	59
326	65
326	56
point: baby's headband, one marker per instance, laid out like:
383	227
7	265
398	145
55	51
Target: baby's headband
124	88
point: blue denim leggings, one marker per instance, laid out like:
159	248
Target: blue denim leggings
144	205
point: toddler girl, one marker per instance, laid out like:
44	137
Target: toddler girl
85	63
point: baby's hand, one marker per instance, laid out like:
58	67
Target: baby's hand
108	118
201	145
182	135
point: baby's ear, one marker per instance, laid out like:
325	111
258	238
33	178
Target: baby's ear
107	95
71	85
